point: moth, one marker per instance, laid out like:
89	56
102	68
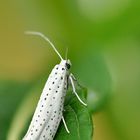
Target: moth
49	110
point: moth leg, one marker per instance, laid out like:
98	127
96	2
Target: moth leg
74	79
73	87
65	125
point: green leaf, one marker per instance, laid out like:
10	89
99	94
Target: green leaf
11	94
77	118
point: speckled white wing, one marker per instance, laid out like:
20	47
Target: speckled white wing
48	113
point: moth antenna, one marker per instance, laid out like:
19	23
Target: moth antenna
66	54
46	38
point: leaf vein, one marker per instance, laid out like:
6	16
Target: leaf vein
77	122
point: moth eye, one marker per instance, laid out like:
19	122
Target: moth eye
68	65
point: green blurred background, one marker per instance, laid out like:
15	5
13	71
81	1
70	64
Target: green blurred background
103	38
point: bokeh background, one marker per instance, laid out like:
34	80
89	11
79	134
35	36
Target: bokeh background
103	39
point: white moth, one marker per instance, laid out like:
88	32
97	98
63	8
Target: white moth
49	111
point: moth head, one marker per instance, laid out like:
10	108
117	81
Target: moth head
68	64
